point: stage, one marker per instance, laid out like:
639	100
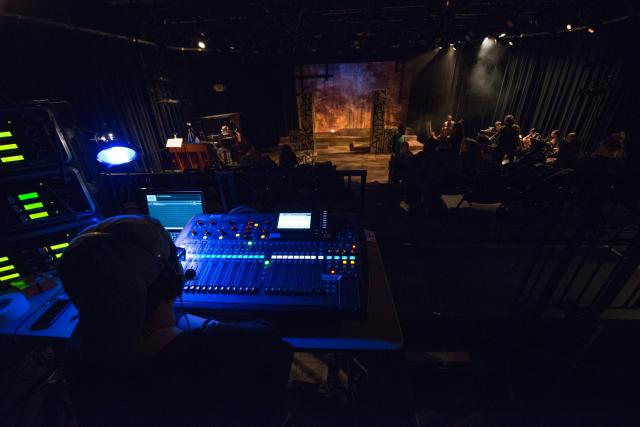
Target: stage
376	165
348	149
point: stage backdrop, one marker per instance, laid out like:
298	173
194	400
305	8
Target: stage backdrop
579	82
342	98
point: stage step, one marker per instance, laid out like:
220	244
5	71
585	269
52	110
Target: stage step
360	147
339	140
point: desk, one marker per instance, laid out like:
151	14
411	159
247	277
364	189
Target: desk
379	330
193	156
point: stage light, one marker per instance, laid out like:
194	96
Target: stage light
115	153
510	43
202	44
502	35
569	27
591	30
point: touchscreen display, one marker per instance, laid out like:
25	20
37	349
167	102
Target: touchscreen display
294	221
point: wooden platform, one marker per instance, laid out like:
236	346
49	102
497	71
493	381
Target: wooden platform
349	149
377	165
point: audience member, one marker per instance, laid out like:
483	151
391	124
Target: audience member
287	158
397	140
250	157
612	147
569	152
456	135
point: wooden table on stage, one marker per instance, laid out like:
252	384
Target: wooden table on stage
193	156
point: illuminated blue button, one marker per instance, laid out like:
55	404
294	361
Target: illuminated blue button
344	257
329	257
352	257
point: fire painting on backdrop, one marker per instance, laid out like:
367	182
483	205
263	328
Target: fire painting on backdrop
343	101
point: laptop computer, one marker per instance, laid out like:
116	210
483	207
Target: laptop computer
174	208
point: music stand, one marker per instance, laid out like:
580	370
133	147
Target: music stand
174	143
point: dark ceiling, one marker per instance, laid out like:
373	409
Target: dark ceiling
320	31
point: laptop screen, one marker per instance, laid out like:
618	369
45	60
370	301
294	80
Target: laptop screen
173	210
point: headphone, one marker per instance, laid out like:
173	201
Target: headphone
171	278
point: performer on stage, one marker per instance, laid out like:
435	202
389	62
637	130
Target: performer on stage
228	145
529	138
448	124
507	139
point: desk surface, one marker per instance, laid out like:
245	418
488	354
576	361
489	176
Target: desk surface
379	330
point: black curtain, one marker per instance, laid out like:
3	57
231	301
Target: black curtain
106	81
572	82
262	89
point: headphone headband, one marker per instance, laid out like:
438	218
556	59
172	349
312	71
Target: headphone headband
170	278
120	239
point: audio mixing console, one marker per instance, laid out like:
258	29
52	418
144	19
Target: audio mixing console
288	262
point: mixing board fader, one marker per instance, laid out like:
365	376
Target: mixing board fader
300	262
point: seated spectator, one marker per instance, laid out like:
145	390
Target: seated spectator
569	152
470	157
399	163
612	147
398	140
250	157
456	135
265	162
287	158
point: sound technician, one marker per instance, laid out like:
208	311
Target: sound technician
129	355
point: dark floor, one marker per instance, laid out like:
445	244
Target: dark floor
466	362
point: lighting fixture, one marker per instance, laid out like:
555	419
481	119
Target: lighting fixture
114	152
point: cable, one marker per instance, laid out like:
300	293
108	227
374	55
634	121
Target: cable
182	310
243	209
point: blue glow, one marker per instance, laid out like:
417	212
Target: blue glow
116	155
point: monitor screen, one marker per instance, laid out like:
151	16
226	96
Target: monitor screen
173	210
294	221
